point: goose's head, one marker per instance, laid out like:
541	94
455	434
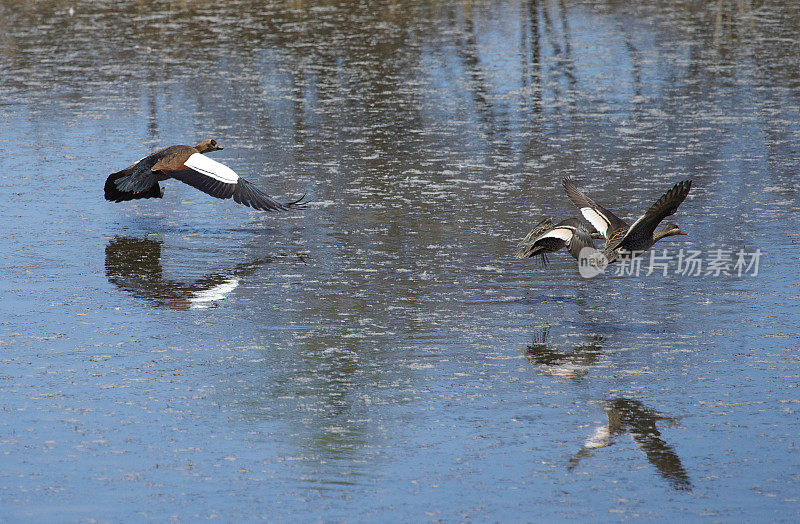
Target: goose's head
670	230
208	145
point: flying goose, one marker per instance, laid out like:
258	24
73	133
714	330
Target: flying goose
190	165
623	240
547	237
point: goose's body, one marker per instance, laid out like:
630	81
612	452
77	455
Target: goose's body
623	240
190	165
548	237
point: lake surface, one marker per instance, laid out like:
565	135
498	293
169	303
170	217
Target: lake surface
381	355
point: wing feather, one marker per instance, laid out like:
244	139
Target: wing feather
665	206
251	196
204	183
541	228
137	186
140	178
581	239
601	218
211	168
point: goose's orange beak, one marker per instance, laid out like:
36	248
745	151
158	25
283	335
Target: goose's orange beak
682	233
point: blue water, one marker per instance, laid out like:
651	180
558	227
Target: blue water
381	355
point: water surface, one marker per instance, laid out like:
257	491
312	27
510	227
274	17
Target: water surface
381	354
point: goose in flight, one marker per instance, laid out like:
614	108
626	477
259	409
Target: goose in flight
548	237
623	240
190	165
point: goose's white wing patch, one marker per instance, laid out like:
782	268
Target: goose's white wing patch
596	219
211	168
561	233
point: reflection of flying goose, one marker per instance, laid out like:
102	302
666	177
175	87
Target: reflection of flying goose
631	416
188	164
547	237
565	364
625	240
134	264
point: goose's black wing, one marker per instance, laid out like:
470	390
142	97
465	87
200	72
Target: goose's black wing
136	181
220	181
664	206
581	237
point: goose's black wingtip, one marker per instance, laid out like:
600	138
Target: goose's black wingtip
300	203
683	186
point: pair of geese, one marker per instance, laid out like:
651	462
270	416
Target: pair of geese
623	240
190	165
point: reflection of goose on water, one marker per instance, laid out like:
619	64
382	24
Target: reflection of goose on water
631	416
189	164
548	237
134	264
623	240
565	364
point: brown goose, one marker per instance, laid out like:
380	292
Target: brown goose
623	240
547	237
188	164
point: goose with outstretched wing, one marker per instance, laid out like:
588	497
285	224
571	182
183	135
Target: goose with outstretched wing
190	165
548	237
623	240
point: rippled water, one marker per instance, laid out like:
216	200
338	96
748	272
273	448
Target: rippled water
381	354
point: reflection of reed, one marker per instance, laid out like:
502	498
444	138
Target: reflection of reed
566	364
631	416
562	51
469	53
532	79
134	265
